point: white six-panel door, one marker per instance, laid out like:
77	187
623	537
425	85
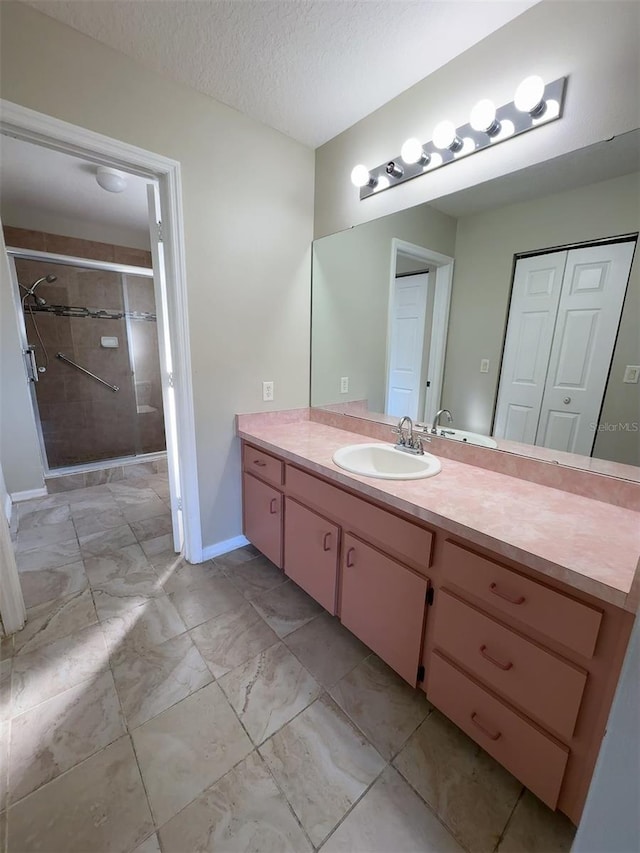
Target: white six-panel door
408	311
563	321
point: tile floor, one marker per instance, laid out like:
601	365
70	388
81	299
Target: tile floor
150	705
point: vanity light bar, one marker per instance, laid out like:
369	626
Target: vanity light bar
534	104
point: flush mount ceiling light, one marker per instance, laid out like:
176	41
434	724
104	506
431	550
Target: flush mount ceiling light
110	179
535	104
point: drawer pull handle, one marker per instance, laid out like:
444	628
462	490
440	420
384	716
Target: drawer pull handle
350	561
499	664
491	735
326	542
273	506
259	463
494	589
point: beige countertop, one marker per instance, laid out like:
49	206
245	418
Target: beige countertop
587	544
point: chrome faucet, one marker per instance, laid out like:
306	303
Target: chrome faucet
407	441
436	420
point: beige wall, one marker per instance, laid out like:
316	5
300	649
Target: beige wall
351	275
248	228
485	246
595	44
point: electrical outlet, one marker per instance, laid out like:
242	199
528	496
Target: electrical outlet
267	391
632	374
484	365
344	384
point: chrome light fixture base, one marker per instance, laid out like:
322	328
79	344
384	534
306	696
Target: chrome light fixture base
510	121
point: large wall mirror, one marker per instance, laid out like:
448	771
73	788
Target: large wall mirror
515	305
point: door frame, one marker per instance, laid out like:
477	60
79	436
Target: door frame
40	129
442	266
392	318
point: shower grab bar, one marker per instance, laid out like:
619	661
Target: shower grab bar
63	357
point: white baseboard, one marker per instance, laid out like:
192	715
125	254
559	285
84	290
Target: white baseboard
7	507
218	548
16	497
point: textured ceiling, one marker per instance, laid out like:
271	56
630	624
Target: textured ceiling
309	68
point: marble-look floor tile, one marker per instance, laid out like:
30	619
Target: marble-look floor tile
44	536
43	673
97	805
255	576
131	493
151	845
469	791
381	704
391	817
534	827
187	748
242	812
51	557
150	624
30	518
286	608
182	575
116	564
151	680
98	522
55	619
228	640
144	509
5	731
201	603
152	528
107	540
93	505
166	562
38	504
122	580
45	585
158	545
327	649
237	556
322	764
62	732
269	690
94	496
6	668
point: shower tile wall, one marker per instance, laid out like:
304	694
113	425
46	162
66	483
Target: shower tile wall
23	238
82	420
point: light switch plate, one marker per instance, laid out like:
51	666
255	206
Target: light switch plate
267	391
632	374
344	384
484	365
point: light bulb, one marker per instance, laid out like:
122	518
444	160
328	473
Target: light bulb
360	176
444	136
434	161
381	184
413	152
507	128
529	96
483	117
468	147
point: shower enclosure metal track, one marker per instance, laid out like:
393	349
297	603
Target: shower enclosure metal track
64	358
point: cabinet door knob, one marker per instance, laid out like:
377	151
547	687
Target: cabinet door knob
326	542
566	401
494	589
273	506
350	557
491	735
499	664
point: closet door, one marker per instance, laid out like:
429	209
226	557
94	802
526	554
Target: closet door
595	283
537	285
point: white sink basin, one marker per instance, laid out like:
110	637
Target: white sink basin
468	437
385	462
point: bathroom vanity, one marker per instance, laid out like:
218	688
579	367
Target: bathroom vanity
509	603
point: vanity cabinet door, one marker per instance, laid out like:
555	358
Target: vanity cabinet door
311	545
384	604
262	512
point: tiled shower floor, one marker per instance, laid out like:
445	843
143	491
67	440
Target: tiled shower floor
152	705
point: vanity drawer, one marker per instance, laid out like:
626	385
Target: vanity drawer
262	465
546	610
535	759
541	684
393	535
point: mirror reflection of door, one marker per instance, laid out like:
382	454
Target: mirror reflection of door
563	320
407	345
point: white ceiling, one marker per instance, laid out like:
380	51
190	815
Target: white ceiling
38	181
309	68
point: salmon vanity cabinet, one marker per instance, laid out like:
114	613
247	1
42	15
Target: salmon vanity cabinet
525	665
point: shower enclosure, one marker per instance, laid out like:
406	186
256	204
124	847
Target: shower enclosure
91	346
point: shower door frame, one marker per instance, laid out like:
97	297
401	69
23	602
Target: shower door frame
86	263
49	132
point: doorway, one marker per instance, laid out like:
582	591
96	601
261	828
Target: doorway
169	285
